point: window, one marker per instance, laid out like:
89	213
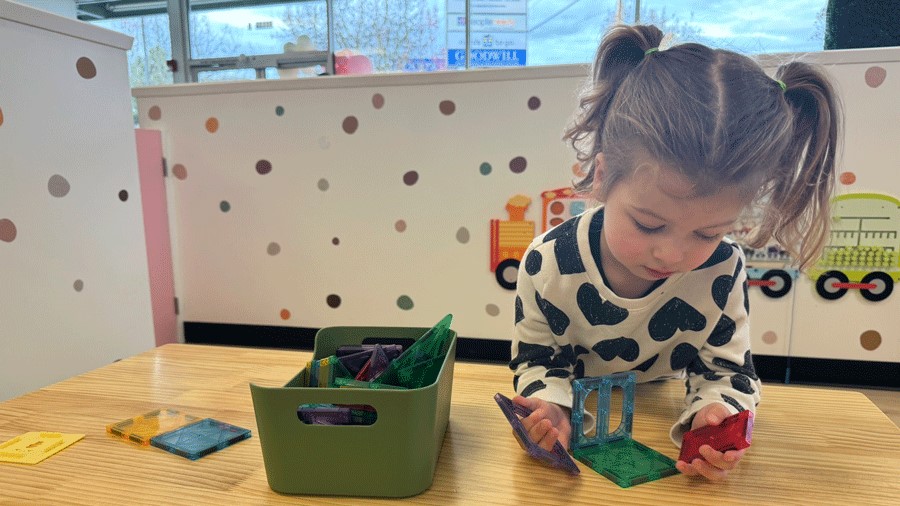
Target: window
151	48
760	26
246	39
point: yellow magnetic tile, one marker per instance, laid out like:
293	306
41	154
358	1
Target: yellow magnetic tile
142	428
33	447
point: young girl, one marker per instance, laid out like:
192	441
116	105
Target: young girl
678	142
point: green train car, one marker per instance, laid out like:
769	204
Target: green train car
863	248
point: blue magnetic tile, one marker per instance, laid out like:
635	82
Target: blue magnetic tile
200	438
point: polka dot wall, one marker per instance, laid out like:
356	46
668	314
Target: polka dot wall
73	256
321	159
371	204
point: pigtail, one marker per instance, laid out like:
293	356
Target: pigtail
799	216
621	51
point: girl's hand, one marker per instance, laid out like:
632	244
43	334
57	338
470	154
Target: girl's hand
547	423
717	464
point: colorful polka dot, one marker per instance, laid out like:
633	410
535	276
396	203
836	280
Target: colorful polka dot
847	178
123	195
578	170
377	101
447	107
492	309
769	337
870	340
485	169
78	285
462	235
86	68
518	164
279	111
410	178
285	314
274	248
323	184
557	207
155	113
400	226
350	124
224	206
404	302
179	171
212	125
335	241
534	103
875	76
58	186
333	301
7	230
263	167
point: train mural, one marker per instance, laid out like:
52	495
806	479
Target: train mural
510	238
768	267
862	253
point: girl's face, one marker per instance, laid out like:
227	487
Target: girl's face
653	227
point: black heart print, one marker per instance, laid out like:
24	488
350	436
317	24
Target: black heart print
673	316
596	310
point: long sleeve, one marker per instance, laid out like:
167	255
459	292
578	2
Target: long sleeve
542	359
723	369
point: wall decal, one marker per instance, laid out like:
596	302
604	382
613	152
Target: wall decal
509	240
862	253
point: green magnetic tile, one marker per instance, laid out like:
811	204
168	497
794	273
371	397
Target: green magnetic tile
626	462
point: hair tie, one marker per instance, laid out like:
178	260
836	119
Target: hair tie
783	86
650	51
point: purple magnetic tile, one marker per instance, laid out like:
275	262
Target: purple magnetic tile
354	362
325	415
392	350
558	458
375	366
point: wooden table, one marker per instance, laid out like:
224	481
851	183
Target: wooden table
810	446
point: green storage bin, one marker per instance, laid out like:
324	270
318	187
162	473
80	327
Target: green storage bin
394	457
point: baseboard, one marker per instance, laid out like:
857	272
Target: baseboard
474	349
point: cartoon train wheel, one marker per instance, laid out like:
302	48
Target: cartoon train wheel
782	286
825	285
507	273
884	285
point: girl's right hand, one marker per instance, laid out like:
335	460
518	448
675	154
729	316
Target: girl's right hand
547	423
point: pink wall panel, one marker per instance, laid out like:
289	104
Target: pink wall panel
156	229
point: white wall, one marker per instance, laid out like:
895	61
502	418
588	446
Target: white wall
73	266
228	272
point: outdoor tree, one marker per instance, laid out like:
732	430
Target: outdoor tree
389	33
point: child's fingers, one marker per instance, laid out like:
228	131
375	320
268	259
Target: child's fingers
726	461
685	468
526	402
549	439
539	430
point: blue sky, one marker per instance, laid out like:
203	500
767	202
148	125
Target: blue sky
756	26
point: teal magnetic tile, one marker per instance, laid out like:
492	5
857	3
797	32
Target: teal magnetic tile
200	438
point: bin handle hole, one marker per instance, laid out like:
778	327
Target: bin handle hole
337	414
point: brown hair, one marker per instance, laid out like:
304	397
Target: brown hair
715	116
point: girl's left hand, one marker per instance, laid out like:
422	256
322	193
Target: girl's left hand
717	464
